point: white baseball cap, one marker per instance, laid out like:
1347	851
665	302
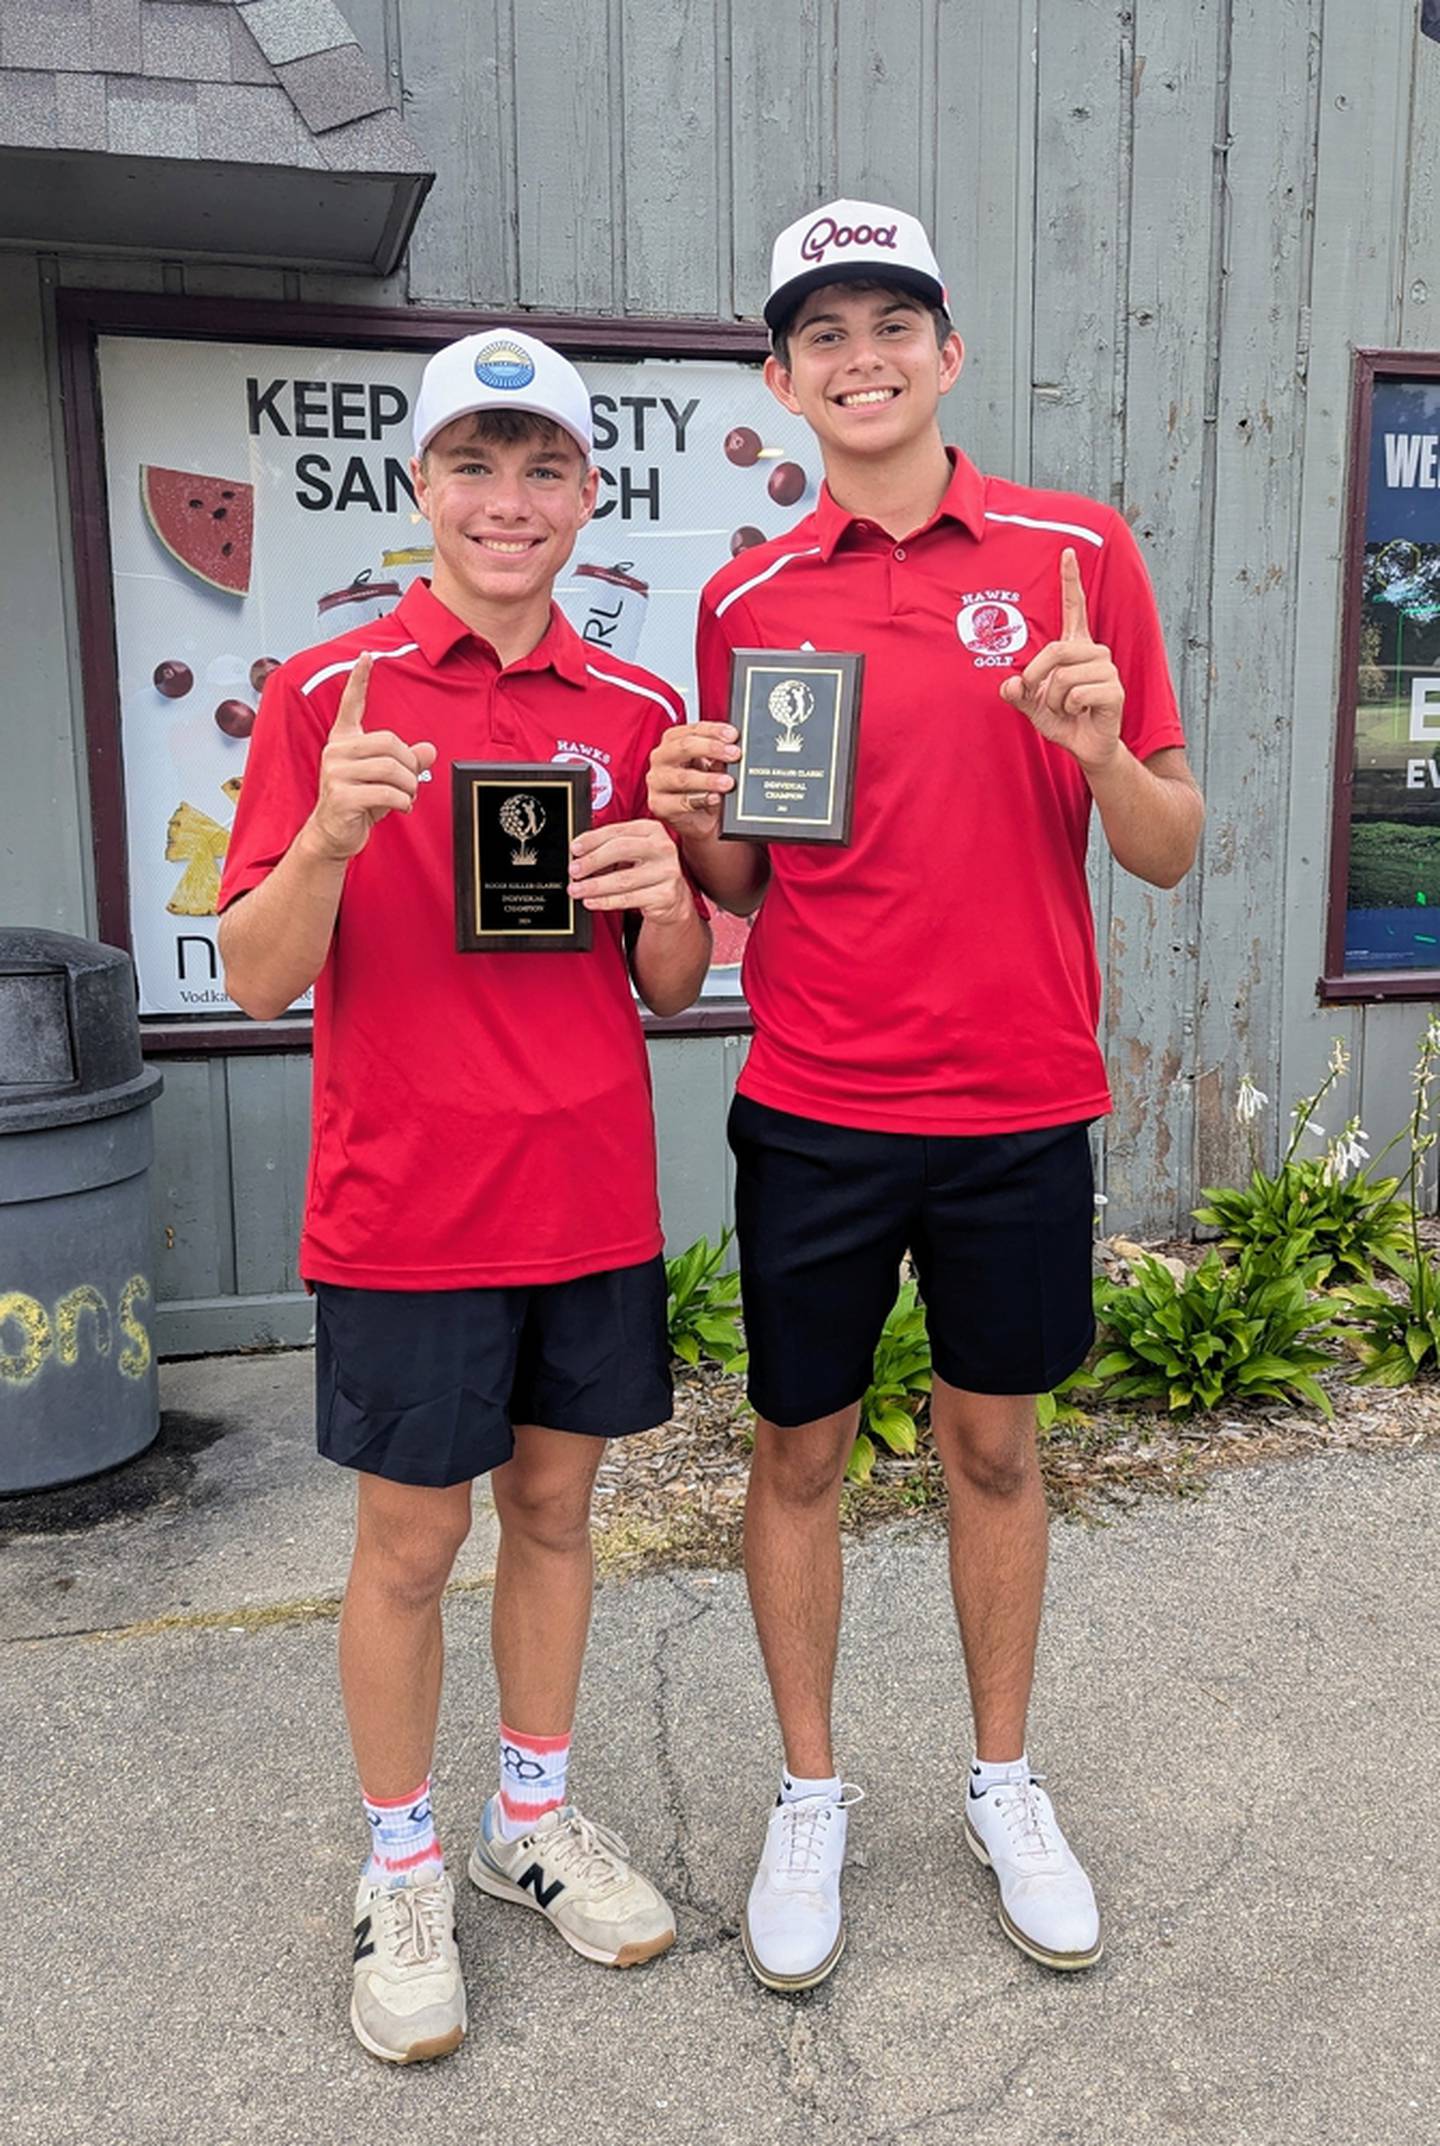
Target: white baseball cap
502	370
851	242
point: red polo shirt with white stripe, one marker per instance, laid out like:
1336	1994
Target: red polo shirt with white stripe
938	975
480	1120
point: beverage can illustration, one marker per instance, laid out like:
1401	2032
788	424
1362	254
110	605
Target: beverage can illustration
609	607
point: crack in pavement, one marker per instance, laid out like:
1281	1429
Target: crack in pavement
679	1880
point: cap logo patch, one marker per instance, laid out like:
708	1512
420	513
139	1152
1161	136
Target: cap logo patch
825	236
503	365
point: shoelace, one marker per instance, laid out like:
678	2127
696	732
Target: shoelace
1025	1820
415	1920
804	1827
589	1851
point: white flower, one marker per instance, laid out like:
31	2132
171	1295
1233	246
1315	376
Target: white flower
1339	1056
1250	1101
1346	1153
1307	1123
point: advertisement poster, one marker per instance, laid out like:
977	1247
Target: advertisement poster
259	502
1393	909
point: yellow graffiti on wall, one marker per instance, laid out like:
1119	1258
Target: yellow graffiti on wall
30	1337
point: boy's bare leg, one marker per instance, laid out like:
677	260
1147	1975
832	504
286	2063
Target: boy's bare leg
998	1545
544	1576
391	1647
793	1570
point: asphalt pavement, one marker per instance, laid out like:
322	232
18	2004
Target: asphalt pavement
1238	1713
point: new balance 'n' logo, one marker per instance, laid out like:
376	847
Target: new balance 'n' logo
363	1945
533	1880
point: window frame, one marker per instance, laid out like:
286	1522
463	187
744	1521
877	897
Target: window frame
82	317
1334	986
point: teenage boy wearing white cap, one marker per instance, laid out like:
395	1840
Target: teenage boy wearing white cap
924	1064
482	1229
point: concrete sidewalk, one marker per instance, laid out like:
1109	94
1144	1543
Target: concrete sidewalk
1238	1710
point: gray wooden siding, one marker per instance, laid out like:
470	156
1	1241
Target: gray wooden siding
1167	224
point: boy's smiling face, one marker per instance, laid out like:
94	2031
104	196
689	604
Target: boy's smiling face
865	370
505	513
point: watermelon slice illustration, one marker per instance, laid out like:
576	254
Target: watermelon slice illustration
207	523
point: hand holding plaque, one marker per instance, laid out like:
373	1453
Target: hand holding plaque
514	824
797	713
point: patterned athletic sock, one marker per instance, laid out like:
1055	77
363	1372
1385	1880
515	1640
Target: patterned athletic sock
988	1773
403	1846
532	1779
795	1787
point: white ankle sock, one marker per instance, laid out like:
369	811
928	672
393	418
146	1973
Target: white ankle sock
989	1773
794	1788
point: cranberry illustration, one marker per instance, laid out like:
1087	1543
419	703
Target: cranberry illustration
787	483
236	718
745	538
260	670
174	680
742	447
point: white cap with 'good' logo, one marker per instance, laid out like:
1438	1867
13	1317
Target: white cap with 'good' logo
502	370
851	242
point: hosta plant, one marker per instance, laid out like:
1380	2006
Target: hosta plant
704	1305
1349	1225
897	1390
1399	1336
1246	1330
1323	1206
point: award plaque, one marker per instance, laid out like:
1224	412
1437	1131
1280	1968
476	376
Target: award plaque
797	711
514	824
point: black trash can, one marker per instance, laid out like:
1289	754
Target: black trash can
78	1389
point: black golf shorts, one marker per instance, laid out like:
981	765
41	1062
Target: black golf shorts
424	1386
1000	1227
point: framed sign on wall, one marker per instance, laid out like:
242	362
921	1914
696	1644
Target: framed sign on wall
241	489
1383	936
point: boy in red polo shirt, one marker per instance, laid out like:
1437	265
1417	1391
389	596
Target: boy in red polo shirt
924	1065
481	1227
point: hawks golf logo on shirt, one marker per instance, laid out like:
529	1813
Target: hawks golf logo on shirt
992	626
602	786
502	365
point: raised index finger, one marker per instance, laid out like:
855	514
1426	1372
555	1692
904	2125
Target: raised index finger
1074	623
350	715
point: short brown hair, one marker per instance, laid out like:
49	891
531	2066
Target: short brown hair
512	428
940	319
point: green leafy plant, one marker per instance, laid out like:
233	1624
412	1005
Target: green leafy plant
1399	1336
704	1305
1057	1411
1240	1330
896	1394
1325	1206
1350	1225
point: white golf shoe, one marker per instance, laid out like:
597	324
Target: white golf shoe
792	1928
1047	1905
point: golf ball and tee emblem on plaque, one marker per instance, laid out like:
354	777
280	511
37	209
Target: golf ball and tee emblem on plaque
797	712
514	825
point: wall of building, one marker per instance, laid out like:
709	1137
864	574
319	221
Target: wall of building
1166	227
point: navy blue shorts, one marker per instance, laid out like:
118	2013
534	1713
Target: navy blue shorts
425	1385
1000	1227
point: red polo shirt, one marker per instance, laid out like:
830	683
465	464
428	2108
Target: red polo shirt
479	1119
939	974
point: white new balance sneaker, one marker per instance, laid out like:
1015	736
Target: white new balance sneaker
579	1876
408	2001
792	1931
1047	1906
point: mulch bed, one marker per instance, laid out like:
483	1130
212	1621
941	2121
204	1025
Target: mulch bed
675	1496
